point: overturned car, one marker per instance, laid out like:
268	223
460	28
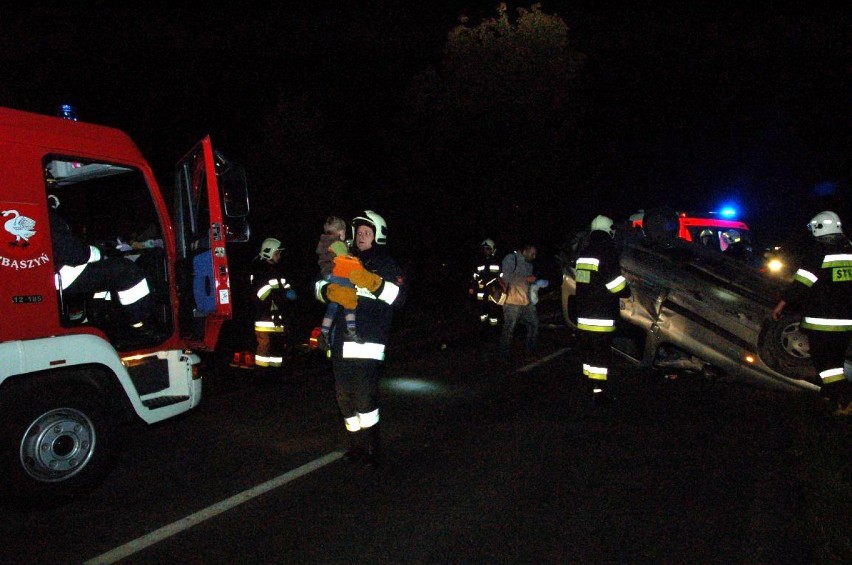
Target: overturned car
696	309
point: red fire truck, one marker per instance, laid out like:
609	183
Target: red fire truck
713	230
71	376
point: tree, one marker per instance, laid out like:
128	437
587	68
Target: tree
498	117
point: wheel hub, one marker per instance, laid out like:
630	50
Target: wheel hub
795	342
57	445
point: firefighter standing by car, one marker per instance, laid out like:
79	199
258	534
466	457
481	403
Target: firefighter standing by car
599	286
270	292
485	276
381	289
822	287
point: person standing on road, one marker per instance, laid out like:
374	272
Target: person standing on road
380	287
823	287
485	275
517	272
599	286
270	292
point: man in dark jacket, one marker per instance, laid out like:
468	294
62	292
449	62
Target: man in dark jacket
822	288
599	286
380	287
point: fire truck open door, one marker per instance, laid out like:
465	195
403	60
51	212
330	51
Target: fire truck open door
203	285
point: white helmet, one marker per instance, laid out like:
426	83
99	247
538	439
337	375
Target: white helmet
732	236
602	223
825	223
269	246
370	218
488	243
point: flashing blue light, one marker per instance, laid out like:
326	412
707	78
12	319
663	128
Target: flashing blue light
67	111
728	212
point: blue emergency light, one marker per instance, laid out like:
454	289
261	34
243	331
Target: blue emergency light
67	111
728	210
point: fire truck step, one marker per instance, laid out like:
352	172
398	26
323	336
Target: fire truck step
163	401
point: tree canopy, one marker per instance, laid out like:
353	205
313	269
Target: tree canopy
498	117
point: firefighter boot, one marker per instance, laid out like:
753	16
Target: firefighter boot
371	446
248	360
355	452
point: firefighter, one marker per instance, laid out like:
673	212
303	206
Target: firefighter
85	269
485	276
708	239
822	287
381	289
599	286
270	292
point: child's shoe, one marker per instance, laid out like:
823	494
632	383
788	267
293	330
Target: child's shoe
322	342
352	335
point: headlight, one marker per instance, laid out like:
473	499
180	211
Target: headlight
775	265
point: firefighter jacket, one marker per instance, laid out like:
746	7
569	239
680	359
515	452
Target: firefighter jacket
374	311
70	254
599	284
822	286
270	292
485	274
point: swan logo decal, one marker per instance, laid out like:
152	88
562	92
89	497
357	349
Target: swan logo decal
22	227
21	250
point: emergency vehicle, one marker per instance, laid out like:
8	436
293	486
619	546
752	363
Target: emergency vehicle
711	229
71	376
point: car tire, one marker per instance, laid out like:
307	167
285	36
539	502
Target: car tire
57	440
783	346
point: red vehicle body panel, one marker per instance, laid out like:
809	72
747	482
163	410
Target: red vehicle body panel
29	305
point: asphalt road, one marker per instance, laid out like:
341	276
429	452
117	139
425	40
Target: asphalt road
485	462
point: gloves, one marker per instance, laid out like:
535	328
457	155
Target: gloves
345	264
365	279
339	248
122	246
290	294
542	283
343	295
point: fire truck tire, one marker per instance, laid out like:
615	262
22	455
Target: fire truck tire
55	442
784	347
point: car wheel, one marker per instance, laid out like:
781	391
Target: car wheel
784	347
54	443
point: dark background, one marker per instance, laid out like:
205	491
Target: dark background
688	106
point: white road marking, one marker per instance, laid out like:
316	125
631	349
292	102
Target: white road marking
185	523
543	360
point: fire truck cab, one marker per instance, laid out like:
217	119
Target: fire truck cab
71	373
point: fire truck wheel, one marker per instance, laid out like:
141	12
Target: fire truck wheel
54	443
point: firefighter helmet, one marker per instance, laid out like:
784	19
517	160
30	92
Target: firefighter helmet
732	237
602	223
825	223
489	243
370	218
269	246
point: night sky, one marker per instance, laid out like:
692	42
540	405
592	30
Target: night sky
686	106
